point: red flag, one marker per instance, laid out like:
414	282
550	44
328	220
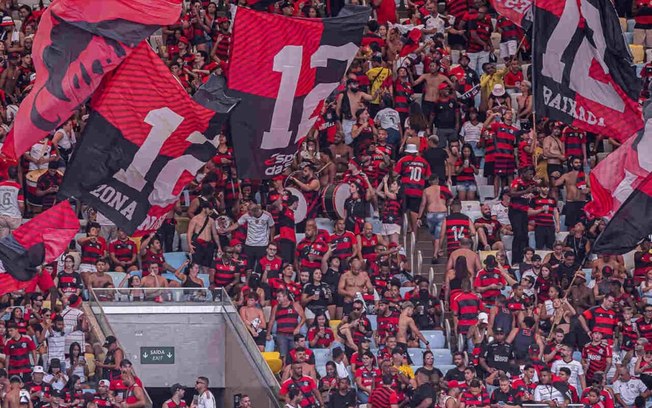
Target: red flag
616	177
77	43
518	11
53	230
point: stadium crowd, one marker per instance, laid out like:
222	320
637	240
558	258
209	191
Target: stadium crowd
433	124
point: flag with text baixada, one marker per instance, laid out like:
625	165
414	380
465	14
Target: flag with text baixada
144	142
77	43
583	70
282	79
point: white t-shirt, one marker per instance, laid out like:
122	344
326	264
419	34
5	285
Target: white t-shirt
547	393
575	368
206	400
501	213
39	151
9	197
629	390
471	132
257	228
388	118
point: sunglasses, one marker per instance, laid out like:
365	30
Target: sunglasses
200	382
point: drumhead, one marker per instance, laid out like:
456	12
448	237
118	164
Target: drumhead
341	193
302	206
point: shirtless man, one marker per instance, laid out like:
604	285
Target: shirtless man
154	280
617	269
433	79
576	191
13	398
405	323
353	281
453	150
300	358
472	258
348	103
436	206
342	153
553	151
100	279
202	238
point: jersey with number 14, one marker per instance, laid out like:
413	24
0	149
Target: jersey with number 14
10	196
414	171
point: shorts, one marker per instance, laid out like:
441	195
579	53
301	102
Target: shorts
390	229
87	268
573	211
435	221
468	186
555	168
261	338
204	252
508	49
428	108
413	203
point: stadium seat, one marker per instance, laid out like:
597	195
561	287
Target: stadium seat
175	259
629	38
273	360
542	253
480	180
629	260
577	355
630	25
470	206
374	323
435	337
322	356
405	290
300	237
136	273
442	356
325	224
507	242
117	277
170	276
485	254
638	53
561	236
333	324
205	278
531	241
589	274
416	355
444	368
184	242
486	192
623	24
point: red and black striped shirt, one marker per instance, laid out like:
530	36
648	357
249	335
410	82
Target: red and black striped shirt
391	213
18	352
470	400
122	250
286	225
574	139
597	356
645	328
545	218
287	319
224	272
414	171
602	320
466	307
519	203
306	248
92	251
402	95
482	26
69	282
458	226
343	244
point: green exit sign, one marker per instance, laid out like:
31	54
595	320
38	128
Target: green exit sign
157	355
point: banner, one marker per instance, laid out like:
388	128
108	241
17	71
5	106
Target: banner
631	223
518	11
583	70
281	81
144	142
616	177
77	43
40	240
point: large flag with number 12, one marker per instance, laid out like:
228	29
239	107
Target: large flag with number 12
144	142
583	70
286	67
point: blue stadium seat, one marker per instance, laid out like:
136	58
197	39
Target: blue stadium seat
136	273
629	38
577	355
630	25
204	277
117	277
322	356
416	355
405	290
442	357
175	259
170	276
445	367
436	338
373	321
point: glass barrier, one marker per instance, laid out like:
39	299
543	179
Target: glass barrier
160	295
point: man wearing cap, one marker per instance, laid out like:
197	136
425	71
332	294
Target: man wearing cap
498	355
114	355
413	171
176	400
103	398
39	391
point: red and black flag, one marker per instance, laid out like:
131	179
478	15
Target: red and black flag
630	225
77	43
583	70
281	81
616	177
40	240
518	11
144	142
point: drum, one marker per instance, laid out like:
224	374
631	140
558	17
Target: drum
302	206
333	199
31	179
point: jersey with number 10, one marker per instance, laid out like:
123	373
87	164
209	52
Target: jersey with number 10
414	171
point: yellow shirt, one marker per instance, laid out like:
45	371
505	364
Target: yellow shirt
377	76
406	370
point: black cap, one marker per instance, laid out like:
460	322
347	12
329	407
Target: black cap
536	257
55	363
490	260
176	387
286	4
499	330
109	340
